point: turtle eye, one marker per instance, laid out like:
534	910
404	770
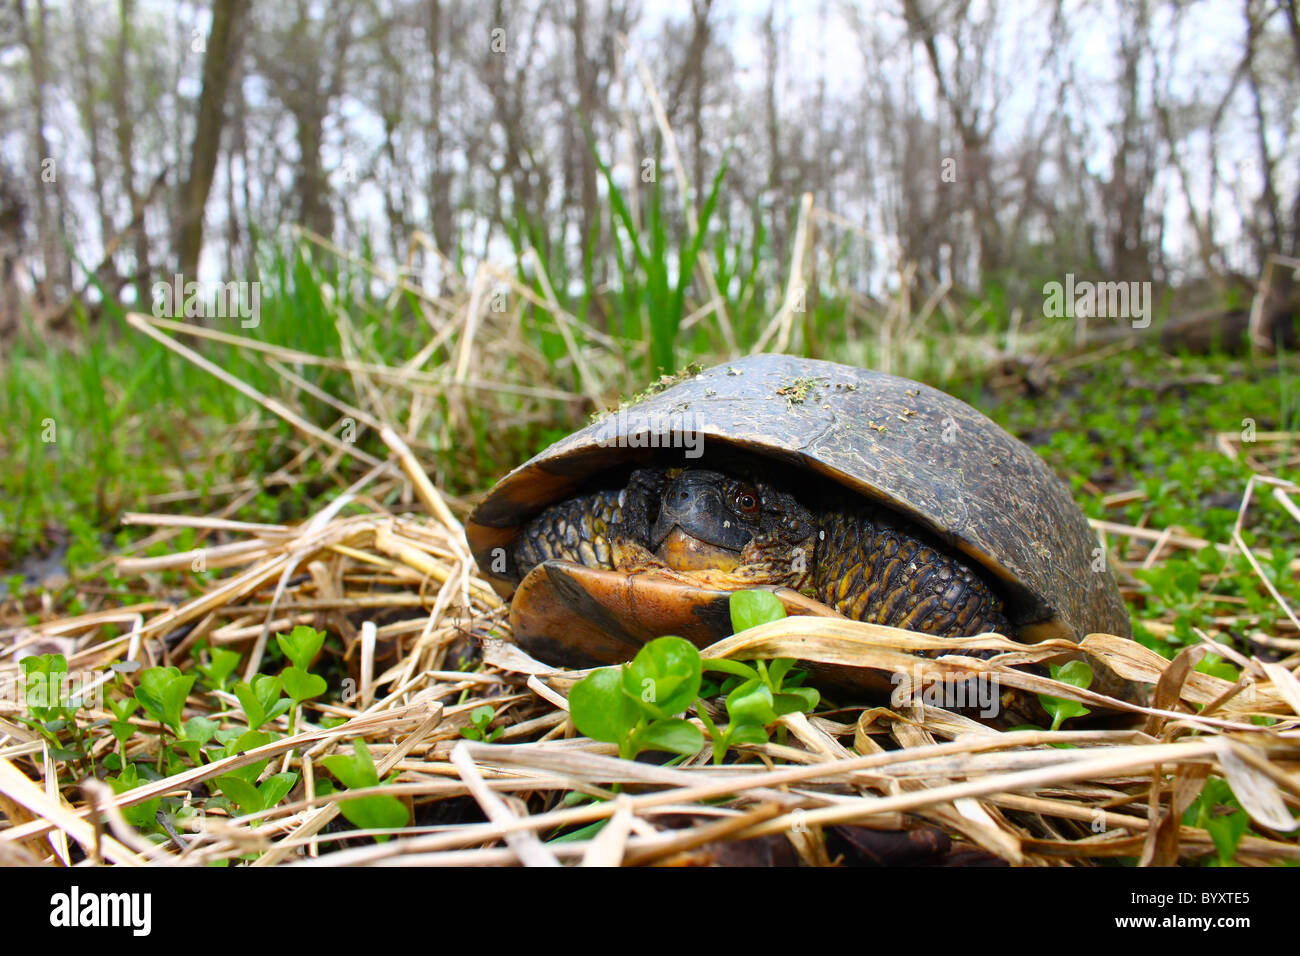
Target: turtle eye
745	500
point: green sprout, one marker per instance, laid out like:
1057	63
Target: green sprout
356	771
635	705
480	725
1076	673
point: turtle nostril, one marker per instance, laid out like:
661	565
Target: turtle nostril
683	496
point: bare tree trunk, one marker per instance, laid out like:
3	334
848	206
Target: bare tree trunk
232	221
312	187
45	189
1269	235
219	64
441	205
972	130
125	136
692	79
306	66
1289	8
1293	24
772	121
13	212
240	147
509	112
586	76
91	126
1129	186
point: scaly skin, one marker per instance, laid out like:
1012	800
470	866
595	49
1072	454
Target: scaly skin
605	529
870	568
865	562
573	530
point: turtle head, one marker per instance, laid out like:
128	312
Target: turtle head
711	520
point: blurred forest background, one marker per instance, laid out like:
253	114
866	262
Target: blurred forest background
1122	139
484	221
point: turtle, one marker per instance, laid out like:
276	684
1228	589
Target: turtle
845	491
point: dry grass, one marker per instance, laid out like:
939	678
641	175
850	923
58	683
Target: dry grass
1114	793
417	625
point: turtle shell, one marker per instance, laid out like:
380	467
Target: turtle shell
926	455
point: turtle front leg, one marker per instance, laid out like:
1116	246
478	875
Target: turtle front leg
573	530
605	529
630	534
